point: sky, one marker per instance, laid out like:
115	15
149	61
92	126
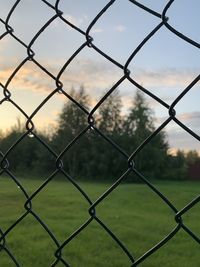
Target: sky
165	66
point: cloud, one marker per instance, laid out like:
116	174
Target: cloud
177	137
189	116
97	30
79	22
165	77
29	77
182	140
74	20
120	28
96	76
191	120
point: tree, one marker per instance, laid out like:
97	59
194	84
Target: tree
139	122
72	120
106	160
192	157
176	166
192	164
138	125
26	153
110	119
92	156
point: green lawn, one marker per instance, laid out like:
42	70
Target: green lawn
134	213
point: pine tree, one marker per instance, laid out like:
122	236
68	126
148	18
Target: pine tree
138	126
72	121
107	161
110	118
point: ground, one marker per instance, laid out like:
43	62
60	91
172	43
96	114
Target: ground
137	216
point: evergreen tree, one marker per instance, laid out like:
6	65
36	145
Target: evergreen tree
110	118
139	125
139	121
107	160
71	122
91	156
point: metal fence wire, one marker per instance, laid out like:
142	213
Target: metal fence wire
89	43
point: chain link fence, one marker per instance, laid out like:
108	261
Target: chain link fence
89	43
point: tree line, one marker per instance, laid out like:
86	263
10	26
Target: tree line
92	156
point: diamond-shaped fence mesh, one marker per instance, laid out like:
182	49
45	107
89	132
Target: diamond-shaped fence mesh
89	43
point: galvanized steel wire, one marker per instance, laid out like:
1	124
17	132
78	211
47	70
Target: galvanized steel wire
89	43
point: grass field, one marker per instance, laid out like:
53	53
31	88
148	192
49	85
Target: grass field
134	213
